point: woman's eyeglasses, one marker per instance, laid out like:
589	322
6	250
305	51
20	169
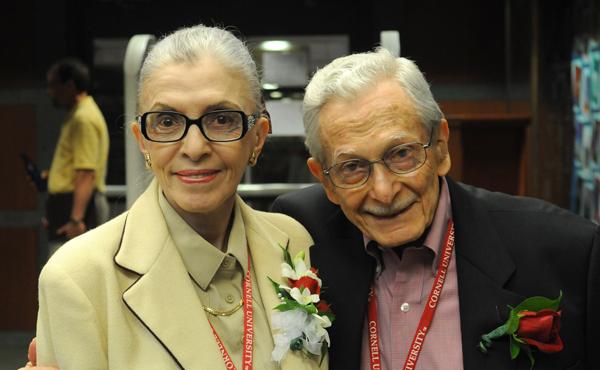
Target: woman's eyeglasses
220	125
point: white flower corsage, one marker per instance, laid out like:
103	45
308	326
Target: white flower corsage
302	317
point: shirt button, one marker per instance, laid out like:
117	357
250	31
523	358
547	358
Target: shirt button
229	298
226	263
405	307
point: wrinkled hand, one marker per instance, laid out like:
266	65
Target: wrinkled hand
32	356
72	229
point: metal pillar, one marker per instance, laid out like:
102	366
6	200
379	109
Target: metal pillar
135	179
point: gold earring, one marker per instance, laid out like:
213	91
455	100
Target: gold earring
148	160
253	158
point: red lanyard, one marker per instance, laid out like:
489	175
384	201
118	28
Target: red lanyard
426	318
248	342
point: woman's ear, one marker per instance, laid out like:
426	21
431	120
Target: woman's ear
137	132
261	131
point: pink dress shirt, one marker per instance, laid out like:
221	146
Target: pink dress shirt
402	286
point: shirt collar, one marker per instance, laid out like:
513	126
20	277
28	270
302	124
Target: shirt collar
435	235
81	103
201	259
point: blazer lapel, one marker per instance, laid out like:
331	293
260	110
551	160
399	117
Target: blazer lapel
163	298
484	266
264	241
347	272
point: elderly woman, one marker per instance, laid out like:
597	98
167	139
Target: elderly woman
182	280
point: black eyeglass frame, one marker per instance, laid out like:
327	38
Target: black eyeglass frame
327	172
248	121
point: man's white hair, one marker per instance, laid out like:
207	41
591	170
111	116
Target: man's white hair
191	44
348	76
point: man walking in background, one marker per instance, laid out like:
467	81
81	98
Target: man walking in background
76	180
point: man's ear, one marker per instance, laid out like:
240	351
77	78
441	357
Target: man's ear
315	168
441	148
317	171
70	85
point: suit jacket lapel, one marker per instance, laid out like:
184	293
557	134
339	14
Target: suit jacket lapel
264	241
347	273
484	266
163	298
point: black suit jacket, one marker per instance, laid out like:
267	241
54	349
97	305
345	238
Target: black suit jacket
507	249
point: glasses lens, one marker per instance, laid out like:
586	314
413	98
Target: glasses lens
223	126
405	158
350	173
164	126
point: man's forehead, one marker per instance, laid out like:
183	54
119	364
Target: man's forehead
373	135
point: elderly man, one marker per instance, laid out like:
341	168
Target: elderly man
416	266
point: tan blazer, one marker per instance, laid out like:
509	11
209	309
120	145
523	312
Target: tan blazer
120	297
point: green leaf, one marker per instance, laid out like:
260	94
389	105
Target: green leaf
292	304
515	348
517	339
300	255
530	355
323	352
513	322
329	315
286	254
288	305
284	293
539	303
311	309
275	285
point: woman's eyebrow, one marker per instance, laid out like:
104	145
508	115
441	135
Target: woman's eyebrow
224	104
161	107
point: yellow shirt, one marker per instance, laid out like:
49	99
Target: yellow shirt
82	145
218	279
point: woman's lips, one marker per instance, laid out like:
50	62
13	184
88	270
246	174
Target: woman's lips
196	176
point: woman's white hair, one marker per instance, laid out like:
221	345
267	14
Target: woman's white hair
348	76
190	44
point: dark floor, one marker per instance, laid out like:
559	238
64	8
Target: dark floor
13	349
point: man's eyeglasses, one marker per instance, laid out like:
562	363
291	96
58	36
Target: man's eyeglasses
400	159
220	125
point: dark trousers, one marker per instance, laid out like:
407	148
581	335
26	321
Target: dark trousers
58	213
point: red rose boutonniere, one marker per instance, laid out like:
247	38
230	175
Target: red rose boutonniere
533	324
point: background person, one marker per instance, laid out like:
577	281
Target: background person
76	180
379	147
164	285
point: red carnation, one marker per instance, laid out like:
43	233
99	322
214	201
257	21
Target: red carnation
307	282
541	329
323	306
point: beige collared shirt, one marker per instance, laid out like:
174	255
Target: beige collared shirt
218	281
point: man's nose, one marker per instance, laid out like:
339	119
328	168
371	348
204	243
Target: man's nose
384	184
194	144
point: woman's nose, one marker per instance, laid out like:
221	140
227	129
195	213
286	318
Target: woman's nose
194	144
